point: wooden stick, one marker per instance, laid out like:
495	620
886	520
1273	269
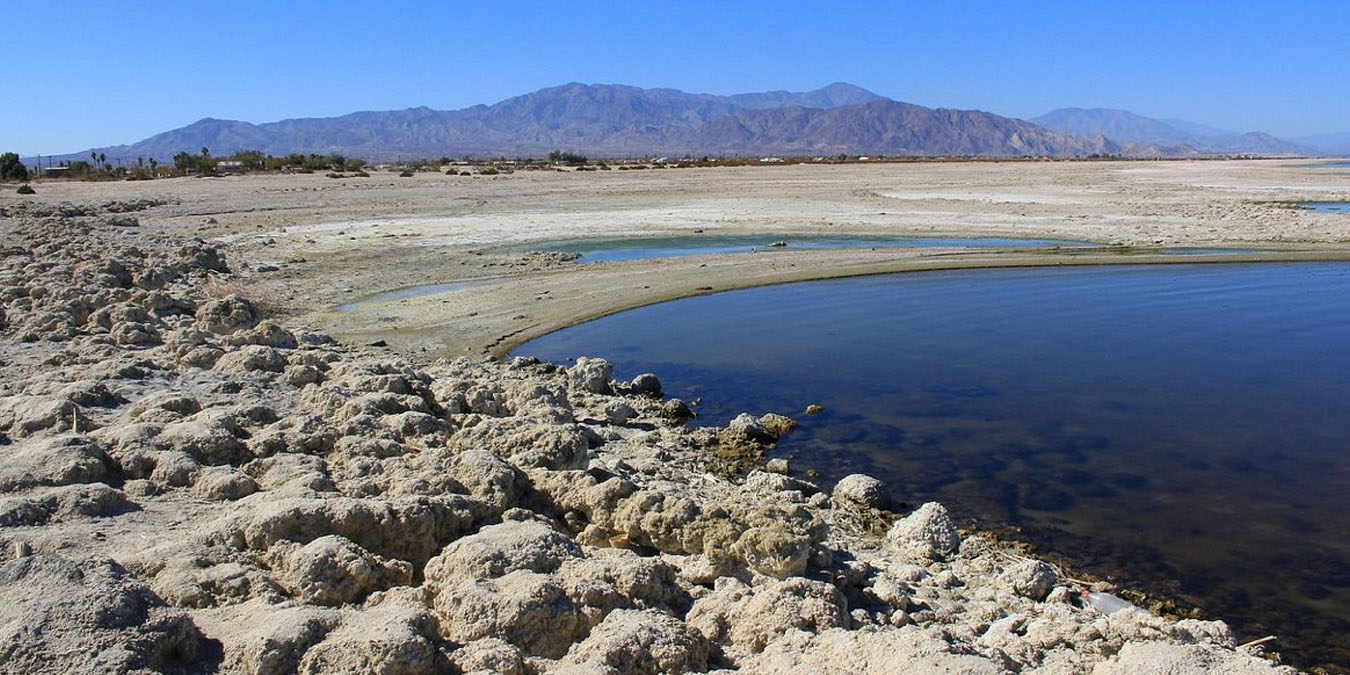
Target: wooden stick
1257	641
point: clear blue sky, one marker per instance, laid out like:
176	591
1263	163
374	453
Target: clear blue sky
85	74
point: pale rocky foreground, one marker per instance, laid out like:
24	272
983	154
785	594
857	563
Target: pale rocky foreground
189	487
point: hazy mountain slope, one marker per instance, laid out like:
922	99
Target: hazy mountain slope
1195	128
1123	126
1118	125
1331	144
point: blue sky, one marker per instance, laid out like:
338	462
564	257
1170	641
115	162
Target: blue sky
86	74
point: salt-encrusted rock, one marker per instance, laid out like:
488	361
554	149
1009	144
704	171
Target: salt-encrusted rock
57	615
267	334
64	460
487	477
750	620
210	437
927	532
169	468
274	644
619	412
385	640
777	552
676	410
181	405
333	570
616	578
489	655
527	609
27	415
1160	657
776	425
227	315
746	428
69	502
1029	578
591	375
879	652
861	490
135	333
646	384
891	590
497	550
223	483
642	643
407	529
527	445
251	358
299	376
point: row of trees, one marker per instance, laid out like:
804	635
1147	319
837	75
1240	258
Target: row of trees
203	162
11	168
255	160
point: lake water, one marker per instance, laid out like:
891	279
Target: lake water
641	248
1326	207
1181	428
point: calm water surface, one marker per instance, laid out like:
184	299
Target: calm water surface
641	248
1326	207
1182	428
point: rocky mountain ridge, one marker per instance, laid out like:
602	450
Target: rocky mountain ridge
601	120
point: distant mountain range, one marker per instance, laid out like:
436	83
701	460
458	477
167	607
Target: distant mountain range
1178	136
623	121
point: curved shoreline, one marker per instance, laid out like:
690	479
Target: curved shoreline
416	320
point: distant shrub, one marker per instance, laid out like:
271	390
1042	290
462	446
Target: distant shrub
489	172
11	168
304	170
569	158
336	175
26	189
361	174
406	173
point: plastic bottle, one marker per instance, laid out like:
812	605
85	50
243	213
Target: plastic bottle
1105	602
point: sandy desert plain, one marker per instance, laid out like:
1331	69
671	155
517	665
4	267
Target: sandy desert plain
198	480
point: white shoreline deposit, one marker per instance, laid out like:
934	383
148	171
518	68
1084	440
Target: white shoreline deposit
189	487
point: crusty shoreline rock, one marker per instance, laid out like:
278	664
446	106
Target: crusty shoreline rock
189	487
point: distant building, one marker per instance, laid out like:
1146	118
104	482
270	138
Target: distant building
54	171
229	165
